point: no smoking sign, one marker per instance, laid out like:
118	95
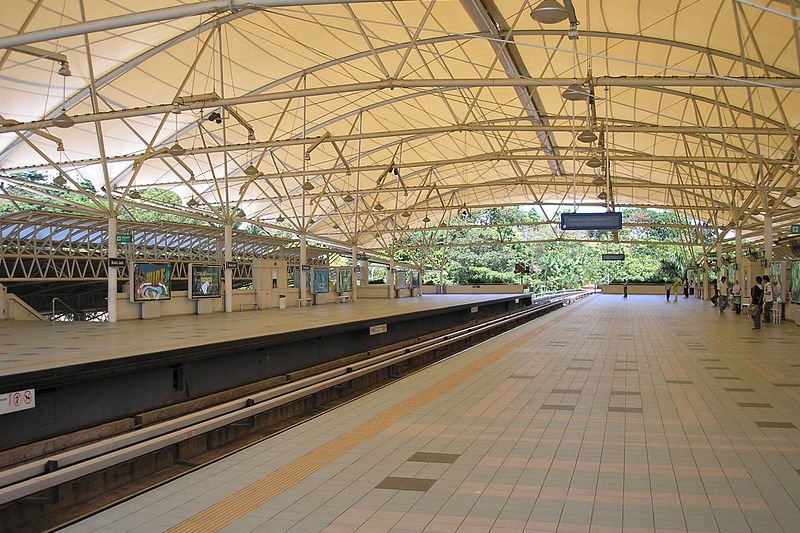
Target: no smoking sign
17	401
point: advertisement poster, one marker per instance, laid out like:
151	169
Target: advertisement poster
345	280
796	282
297	278
206	281
150	282
320	278
776	278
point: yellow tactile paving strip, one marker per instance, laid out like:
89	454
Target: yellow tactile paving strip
232	508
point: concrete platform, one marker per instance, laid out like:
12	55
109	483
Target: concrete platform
35	346
608	415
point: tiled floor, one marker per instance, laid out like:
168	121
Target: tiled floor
608	415
31	346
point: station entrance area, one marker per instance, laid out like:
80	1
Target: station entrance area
608	414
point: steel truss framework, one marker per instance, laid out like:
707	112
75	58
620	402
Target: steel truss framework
49	247
380	119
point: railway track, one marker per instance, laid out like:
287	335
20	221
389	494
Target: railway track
35	484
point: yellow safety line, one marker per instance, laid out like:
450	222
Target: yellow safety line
235	506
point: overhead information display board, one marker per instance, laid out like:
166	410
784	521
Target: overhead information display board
591	221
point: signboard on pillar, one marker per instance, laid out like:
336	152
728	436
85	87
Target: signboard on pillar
116	262
306	268
124	238
231	265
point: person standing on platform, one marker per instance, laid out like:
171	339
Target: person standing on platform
685	288
675	286
736	292
768	299
756	300
723	295
625	289
667	288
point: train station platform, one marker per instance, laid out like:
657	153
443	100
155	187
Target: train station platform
610	414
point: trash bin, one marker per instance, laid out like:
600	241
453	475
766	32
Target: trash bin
282	301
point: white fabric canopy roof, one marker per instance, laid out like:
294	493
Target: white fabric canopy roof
696	105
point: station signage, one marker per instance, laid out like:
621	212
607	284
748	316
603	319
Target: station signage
795	229
230	265
306	268
473	309
591	221
613	257
116	262
380	328
357	268
362	257
17	401
124	238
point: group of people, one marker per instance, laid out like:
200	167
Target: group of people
762	298
673	288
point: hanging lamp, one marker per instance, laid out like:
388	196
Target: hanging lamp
549	12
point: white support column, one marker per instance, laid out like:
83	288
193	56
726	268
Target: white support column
228	271
112	271
391	279
768	238
739	258
354	262
720	272
706	296
303	273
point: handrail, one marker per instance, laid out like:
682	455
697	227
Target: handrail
53	315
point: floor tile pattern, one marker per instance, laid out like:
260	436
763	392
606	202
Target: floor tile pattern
607	415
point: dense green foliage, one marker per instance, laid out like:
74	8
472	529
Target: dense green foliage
550	265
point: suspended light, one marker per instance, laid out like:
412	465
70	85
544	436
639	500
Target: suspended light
587	136
307	186
63	120
602	195
251	170
771	202
594	162
426	219
405	214
378	206
64	70
134	194
599	180
442	224
549	12
310	221
279	219
192	202
348	198
335	225
60	180
791	193
176	149
575	92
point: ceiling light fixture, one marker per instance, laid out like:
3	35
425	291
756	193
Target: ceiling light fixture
549	12
587	136
575	92
279	219
378	206
192	202
307	186
176	149
602	195
348	198
791	193
63	120
60	180
251	170
405	214
134	194
594	162
426	219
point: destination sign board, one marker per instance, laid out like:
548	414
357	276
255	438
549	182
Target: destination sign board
591	221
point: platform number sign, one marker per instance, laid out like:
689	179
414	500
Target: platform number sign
17	401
